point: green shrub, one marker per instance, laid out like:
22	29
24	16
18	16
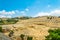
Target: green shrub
25	17
1	22
49	17
0	29
22	36
29	38
53	34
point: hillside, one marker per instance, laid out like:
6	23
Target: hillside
35	27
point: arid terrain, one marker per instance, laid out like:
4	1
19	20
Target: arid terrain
34	27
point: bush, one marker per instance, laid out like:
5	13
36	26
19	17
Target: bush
49	17
53	34
22	36
29	38
0	29
25	17
11	33
8	21
11	21
1	22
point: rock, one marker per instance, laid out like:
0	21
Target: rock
3	37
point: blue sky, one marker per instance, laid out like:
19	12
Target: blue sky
13	8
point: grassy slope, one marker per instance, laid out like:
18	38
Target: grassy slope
36	27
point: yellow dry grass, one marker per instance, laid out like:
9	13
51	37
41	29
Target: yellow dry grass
35	27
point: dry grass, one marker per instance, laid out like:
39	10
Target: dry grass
35	27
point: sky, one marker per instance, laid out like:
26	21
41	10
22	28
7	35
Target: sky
34	8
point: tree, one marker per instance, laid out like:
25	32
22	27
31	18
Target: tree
25	17
49	17
53	34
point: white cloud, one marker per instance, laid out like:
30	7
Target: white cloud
7	13
42	14
23	13
49	6
17	11
53	13
4	13
8	16
26	9
56	11
3	16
